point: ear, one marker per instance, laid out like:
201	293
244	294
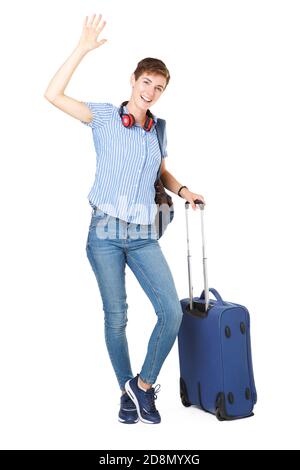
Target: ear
132	80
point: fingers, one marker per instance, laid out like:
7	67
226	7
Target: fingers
97	21
102	42
90	23
199	198
100	27
94	22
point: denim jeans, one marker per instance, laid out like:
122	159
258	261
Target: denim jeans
112	243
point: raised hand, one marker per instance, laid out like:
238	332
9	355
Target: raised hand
91	29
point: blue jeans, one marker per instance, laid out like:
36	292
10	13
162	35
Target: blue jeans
112	243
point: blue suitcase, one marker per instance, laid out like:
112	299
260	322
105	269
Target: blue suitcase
215	361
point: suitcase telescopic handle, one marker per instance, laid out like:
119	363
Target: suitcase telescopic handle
204	258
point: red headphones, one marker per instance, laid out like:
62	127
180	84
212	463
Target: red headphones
129	121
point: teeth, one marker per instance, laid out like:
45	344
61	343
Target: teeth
148	101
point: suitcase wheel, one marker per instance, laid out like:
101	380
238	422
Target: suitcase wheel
184	401
183	394
219	415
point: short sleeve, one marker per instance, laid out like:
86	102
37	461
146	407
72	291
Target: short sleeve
101	112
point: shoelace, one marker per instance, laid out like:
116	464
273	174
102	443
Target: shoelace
151	396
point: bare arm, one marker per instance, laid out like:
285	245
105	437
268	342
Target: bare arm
171	183
56	88
168	179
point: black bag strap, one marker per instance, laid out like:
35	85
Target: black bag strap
160	131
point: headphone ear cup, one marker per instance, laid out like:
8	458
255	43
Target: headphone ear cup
128	120
148	123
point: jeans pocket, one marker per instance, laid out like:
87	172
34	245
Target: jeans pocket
97	217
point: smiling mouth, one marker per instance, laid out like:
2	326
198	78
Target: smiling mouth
145	99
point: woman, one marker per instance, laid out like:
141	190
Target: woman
121	230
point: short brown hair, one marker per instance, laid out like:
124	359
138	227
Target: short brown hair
154	66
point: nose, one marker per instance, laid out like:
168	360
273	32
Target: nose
150	92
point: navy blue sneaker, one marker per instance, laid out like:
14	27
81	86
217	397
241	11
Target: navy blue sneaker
127	413
144	401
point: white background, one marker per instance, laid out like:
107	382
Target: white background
232	111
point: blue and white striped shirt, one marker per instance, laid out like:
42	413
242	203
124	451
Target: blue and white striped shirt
127	161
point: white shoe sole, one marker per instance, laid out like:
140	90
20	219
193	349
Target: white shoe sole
126	422
135	401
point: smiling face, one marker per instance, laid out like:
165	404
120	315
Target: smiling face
147	89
